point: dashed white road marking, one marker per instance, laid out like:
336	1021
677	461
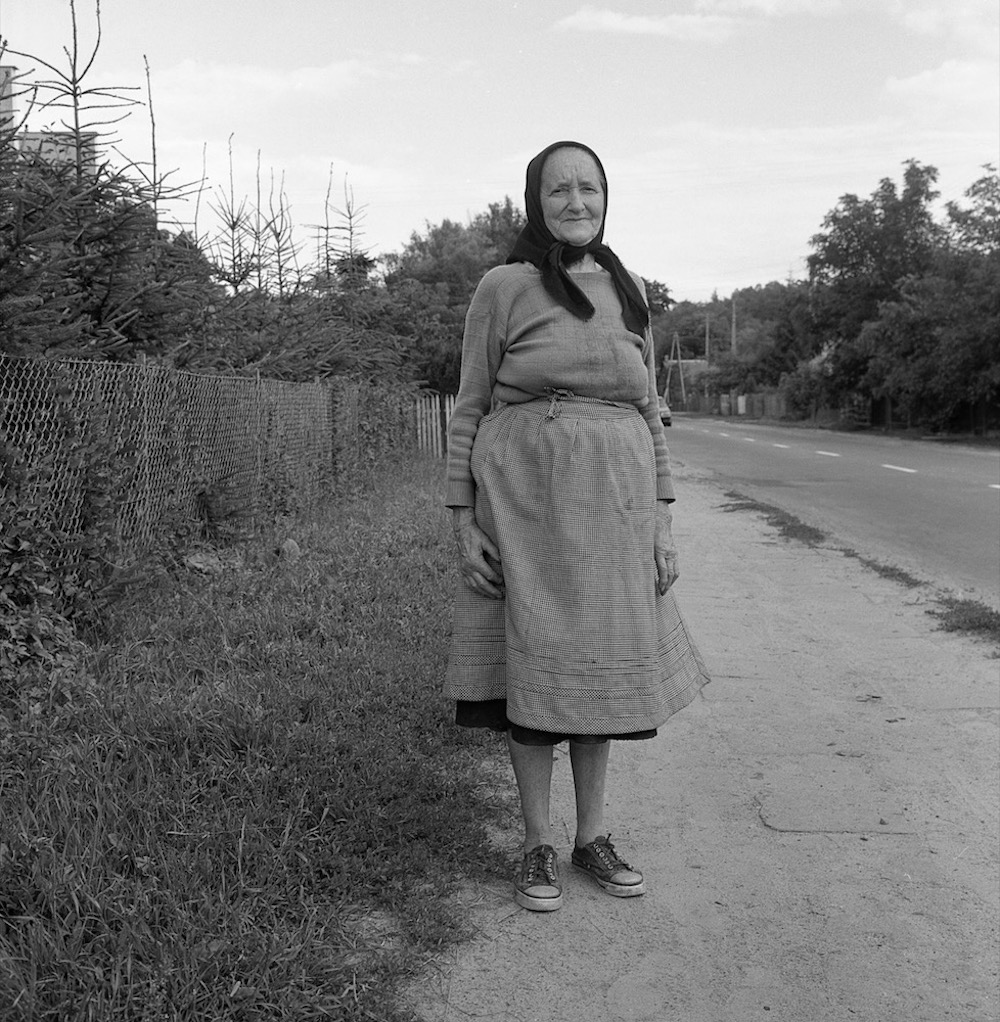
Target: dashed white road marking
831	454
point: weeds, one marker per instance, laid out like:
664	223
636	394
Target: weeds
887	571
253	805
787	524
969	616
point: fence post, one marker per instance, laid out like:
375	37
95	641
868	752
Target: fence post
440	424
449	411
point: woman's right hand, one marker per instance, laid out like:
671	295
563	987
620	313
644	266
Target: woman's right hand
478	556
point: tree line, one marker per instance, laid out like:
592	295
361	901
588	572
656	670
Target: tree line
900	308
899	311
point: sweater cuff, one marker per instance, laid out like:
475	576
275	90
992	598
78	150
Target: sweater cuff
460	493
665	488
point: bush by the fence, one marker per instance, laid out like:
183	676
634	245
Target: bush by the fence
101	462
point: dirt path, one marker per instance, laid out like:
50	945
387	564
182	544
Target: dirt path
819	832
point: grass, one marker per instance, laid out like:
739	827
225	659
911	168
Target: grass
253	804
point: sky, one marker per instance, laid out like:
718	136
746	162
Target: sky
728	128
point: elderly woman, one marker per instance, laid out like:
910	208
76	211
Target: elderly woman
559	482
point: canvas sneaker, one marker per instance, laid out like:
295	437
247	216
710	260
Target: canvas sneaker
537	885
600	860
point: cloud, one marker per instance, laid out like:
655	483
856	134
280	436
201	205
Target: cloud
691	27
771	8
196	84
957	92
974	24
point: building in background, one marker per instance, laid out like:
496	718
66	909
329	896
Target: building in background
54	148
59	148
7	97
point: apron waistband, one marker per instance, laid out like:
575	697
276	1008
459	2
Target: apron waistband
557	397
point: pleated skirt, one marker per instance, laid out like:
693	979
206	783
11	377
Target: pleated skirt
582	643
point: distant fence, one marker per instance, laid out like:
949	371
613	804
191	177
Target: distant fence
79	439
762	405
433	413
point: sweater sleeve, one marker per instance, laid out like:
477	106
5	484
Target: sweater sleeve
482	349
651	413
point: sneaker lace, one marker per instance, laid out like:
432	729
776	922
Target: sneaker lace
613	862
543	862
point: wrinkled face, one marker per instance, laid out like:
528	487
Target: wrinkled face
572	196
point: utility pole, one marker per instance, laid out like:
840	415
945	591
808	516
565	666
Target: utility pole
675	356
732	343
706	337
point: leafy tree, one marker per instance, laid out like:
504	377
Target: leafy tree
658	296
448	253
774	333
775	329
499	226
867	249
687	320
976	228
438	271
932	351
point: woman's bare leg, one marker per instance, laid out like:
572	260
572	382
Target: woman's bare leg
533	772
590	770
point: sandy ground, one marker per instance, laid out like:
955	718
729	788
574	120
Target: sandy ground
819	832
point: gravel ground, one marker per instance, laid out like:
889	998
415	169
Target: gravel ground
819	831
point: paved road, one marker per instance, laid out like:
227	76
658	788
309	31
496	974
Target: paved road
932	509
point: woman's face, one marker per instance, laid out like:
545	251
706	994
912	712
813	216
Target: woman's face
572	196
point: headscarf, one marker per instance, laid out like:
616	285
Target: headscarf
536	245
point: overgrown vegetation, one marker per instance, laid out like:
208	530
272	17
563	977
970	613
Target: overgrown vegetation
249	802
89	268
58	530
89	272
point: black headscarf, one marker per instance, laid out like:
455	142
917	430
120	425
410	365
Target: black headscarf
536	245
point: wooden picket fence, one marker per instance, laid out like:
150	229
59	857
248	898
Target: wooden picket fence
433	413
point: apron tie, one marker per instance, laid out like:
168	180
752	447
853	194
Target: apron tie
556	398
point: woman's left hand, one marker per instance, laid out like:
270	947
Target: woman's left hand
664	550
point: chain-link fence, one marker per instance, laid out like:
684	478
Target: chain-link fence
148	446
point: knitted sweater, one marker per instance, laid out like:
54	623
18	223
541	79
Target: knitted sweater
519	343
